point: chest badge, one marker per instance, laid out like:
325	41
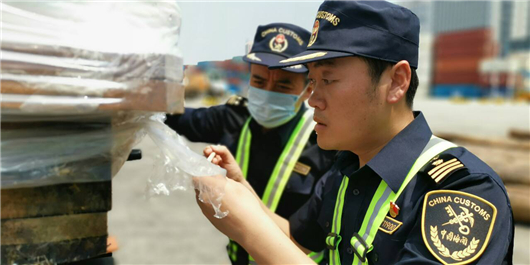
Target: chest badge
390	225
456	226
301	168
394	209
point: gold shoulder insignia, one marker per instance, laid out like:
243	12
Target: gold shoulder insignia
456	226
237	101
442	166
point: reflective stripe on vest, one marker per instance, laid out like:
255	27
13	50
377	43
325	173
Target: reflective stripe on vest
284	166
334	238
380	205
286	162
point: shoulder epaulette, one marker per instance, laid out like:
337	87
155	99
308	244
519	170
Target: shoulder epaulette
442	166
237	101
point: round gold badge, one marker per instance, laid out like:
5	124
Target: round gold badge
278	43
314	33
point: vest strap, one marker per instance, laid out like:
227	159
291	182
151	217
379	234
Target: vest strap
380	204
283	168
336	225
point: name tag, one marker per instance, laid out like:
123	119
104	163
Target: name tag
301	168
390	225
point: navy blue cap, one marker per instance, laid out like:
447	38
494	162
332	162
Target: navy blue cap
277	41
373	29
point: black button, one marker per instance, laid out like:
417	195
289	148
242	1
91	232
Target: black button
356	192
288	187
376	258
327	224
349	250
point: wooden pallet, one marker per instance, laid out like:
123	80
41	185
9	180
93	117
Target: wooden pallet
55	224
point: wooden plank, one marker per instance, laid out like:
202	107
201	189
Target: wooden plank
72	198
512	165
53	229
152	95
520	134
520	201
54	252
519	145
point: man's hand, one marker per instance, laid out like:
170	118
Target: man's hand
249	225
226	160
244	210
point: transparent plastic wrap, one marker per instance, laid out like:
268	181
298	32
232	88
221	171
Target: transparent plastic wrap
36	153
178	165
82	82
85	57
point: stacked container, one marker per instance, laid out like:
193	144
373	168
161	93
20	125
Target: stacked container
424	70
457	60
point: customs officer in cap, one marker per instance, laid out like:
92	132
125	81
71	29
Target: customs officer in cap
397	194
271	134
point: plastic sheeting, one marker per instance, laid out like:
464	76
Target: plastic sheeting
86	57
82	83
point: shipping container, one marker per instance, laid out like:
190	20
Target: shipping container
465	36
470	78
467	91
488	49
461	65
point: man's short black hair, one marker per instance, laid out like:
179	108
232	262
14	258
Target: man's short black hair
377	67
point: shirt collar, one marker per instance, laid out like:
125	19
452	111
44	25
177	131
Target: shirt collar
394	161
283	131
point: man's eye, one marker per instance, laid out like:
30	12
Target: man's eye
327	81
311	81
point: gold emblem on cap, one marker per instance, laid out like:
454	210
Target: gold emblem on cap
278	43
298	66
314	33
304	57
253	57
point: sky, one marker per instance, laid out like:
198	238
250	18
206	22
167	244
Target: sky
219	30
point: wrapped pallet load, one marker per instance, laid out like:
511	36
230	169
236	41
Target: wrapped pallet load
80	83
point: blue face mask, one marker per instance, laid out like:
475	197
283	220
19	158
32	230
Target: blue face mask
272	109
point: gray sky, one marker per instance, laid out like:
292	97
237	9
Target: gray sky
218	30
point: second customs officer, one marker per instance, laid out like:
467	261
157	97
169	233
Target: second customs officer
271	134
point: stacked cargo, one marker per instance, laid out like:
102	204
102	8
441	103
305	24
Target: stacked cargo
522	79
457	61
78	80
424	70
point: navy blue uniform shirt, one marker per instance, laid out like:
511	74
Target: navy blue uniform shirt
222	124
311	224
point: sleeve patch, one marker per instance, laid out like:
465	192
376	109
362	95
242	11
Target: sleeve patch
456	226
442	166
237	101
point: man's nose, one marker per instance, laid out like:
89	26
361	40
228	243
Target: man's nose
315	99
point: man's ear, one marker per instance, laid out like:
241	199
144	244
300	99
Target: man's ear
400	75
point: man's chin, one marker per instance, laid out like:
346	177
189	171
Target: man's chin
324	144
